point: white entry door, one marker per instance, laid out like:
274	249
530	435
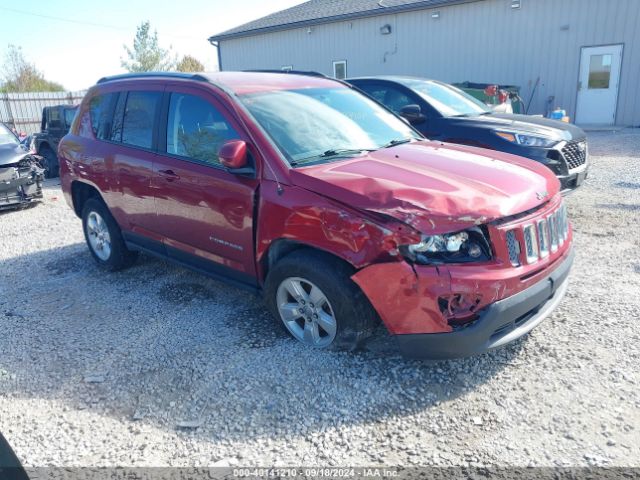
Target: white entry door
598	85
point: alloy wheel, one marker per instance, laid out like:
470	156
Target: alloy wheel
306	312
98	235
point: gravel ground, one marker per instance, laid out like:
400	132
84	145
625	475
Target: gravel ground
157	366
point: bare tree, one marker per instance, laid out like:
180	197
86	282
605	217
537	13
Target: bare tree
21	76
146	54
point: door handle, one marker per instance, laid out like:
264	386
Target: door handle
169	175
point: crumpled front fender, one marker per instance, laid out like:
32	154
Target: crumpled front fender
406	299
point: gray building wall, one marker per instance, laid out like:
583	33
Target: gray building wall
485	41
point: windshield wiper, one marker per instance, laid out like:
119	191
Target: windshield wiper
333	152
343	151
395	142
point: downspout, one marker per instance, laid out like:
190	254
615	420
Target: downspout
217	46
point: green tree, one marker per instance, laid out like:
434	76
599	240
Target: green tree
146	54
21	76
190	64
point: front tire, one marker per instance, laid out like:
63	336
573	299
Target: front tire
311	295
104	237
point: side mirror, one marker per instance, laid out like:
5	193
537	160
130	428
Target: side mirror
235	158
233	154
413	114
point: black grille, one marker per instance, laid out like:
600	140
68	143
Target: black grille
514	248
575	154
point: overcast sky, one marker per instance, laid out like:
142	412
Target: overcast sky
88	45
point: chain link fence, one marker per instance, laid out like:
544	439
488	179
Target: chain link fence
24	110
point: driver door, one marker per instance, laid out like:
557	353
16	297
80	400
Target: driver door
204	213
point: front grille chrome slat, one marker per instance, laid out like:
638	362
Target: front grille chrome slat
531	244
539	239
543	236
552	221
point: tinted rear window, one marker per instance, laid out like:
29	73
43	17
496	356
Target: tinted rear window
140	115
101	110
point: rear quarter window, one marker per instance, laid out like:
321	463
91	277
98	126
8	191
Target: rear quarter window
101	113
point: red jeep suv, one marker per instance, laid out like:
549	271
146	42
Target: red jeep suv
335	209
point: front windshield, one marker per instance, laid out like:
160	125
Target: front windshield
324	124
6	136
449	101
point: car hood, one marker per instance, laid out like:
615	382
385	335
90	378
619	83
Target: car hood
11	153
523	124
433	187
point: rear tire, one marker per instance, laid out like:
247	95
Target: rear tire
50	163
104	237
342	317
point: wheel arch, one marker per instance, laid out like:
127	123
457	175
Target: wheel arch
280	248
80	193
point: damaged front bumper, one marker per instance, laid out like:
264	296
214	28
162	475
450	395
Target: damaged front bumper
413	309
21	183
498	324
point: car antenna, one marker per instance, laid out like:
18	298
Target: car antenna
279	188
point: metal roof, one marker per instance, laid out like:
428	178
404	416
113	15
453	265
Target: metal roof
314	12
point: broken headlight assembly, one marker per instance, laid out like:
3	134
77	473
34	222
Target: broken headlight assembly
461	247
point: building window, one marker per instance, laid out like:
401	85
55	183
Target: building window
600	71
287	68
340	69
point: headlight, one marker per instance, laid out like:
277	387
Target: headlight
460	247
527	140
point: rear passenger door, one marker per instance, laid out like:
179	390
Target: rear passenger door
133	137
204	212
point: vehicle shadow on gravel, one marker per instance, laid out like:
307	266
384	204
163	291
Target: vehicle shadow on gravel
160	345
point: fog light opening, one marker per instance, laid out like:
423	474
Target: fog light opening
460	309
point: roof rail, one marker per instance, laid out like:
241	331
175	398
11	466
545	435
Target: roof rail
176	75
290	72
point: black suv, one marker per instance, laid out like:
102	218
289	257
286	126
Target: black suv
56	122
443	112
